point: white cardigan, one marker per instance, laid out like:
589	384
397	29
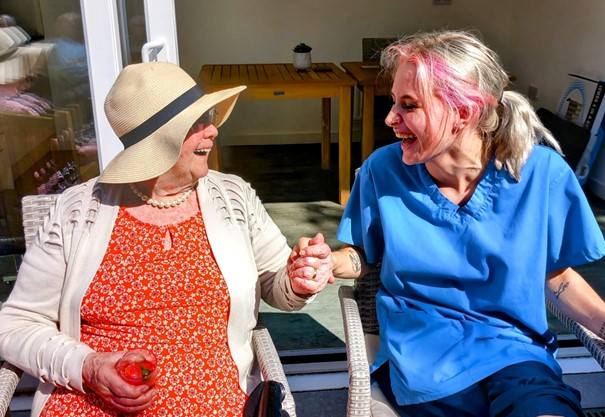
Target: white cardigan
40	322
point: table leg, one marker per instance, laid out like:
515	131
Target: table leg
326	115
344	145
367	121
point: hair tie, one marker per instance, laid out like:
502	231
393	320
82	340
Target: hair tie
501	97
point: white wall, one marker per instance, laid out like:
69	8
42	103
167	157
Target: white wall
554	38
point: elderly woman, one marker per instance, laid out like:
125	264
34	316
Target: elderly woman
475	222
159	256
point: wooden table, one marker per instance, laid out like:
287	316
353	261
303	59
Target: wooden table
282	81
371	83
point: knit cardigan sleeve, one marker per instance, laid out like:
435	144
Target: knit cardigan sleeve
237	203
30	334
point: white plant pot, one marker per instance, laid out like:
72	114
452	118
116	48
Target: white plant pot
302	61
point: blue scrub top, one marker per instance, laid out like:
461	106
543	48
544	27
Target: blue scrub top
462	292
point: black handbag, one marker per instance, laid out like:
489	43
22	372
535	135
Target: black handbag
266	401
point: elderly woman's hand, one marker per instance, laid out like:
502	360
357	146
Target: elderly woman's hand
310	265
100	375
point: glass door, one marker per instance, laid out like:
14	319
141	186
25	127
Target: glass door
58	60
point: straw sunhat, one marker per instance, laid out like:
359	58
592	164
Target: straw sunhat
151	107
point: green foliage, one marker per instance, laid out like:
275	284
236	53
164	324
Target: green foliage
302	47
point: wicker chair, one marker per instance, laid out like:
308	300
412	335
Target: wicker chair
35	208
361	335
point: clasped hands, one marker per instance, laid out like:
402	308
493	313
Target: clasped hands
310	265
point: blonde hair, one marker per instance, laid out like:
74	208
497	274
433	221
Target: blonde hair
460	70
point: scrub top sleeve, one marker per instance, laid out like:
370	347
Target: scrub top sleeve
360	224
574	235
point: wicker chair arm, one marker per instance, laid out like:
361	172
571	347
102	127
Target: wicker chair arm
359	371
592	342
271	366
9	378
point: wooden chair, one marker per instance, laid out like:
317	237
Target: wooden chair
358	303
35	209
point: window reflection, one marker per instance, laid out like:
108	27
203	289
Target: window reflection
133	30
70	88
137	36
47	133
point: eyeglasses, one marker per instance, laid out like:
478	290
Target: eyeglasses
205	120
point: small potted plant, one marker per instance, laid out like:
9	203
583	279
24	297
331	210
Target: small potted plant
302	57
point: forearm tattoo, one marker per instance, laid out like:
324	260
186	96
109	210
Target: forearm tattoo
602	331
356	261
562	287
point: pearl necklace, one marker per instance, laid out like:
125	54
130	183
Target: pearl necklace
161	204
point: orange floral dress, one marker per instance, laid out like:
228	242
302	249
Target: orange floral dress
172	302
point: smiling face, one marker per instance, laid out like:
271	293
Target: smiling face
193	159
424	124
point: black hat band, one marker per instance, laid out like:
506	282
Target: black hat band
162	117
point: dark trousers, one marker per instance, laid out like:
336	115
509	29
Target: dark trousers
527	389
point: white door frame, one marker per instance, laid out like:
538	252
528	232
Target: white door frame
102	35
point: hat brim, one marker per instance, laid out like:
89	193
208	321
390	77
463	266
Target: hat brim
158	152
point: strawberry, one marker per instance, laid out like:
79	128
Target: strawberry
137	367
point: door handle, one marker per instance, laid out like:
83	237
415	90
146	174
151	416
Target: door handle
150	50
